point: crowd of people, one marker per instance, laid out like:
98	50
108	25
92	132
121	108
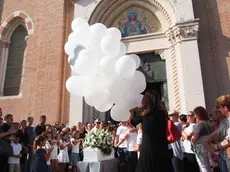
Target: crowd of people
45	147
140	144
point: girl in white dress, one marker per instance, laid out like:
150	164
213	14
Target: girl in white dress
63	156
48	146
54	154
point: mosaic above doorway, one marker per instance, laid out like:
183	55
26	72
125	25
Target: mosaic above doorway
135	21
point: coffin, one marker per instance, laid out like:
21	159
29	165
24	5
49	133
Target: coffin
95	155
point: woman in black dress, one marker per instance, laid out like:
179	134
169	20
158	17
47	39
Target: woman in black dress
154	154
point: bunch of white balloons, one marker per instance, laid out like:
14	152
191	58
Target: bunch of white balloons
102	72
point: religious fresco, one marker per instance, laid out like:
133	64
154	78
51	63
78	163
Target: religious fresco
136	21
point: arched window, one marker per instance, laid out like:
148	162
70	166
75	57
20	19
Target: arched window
14	64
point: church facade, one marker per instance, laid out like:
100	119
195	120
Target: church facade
184	46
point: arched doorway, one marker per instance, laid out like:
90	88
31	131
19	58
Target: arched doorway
154	26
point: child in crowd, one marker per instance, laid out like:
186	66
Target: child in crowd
14	160
63	156
139	139
131	139
42	155
76	143
54	154
46	147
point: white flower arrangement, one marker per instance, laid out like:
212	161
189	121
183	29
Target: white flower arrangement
100	139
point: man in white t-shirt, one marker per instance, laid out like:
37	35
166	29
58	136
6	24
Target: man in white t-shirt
14	160
122	148
131	139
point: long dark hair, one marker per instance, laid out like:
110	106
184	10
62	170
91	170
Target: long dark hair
38	140
150	101
201	112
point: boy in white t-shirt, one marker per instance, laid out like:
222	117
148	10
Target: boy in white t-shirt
14	160
130	137
122	148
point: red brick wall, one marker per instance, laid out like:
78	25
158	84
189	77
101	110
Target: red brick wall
43	61
214	46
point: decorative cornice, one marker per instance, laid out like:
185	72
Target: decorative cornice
189	31
144	37
183	31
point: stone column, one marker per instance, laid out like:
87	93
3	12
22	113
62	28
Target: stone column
184	40
165	55
76	109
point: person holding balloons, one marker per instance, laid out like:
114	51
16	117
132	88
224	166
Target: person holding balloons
154	155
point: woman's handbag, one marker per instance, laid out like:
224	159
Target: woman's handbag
173	134
5	148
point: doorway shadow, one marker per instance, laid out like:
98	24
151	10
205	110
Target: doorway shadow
214	48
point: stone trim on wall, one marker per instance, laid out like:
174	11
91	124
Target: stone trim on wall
7	28
104	8
184	31
17	14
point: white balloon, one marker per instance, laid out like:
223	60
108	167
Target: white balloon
137	60
107	65
82	36
129	97
138	100
72	58
138	82
97	82
86	64
104	107
110	46
71	37
120	113
98	30
76	85
96	48
117	85
125	66
78	22
123	50
69	48
115	97
116	33
96	97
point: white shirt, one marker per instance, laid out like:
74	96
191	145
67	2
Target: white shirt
46	147
139	139
131	141
17	148
186	143
121	131
75	148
